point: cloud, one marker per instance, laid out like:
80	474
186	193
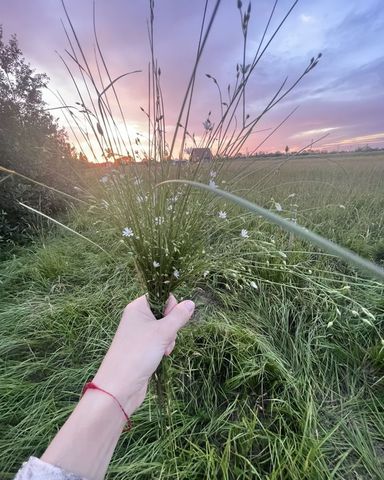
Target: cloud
367	139
306	18
315	132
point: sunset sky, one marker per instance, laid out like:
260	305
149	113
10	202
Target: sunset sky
342	96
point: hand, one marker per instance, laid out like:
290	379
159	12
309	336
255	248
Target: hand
137	348
85	443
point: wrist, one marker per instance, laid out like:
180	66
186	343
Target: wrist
102	407
124	410
121	390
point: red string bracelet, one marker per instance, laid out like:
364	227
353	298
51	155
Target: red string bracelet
93	386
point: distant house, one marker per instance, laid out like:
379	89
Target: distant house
201	155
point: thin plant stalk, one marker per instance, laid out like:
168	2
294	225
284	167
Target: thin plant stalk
301	232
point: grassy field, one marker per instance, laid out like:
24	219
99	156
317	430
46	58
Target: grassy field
281	381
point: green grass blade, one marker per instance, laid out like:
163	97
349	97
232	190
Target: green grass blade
63	226
13	172
5	178
325	244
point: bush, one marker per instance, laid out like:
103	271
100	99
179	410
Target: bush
31	144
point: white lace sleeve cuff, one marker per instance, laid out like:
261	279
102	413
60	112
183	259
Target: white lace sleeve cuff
36	469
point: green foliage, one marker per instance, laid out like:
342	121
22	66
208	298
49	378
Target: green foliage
281	381
30	144
259	385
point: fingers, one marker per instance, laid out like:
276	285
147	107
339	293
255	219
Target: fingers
171	303
170	347
140	306
177	318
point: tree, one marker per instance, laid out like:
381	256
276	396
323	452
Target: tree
286	150
31	143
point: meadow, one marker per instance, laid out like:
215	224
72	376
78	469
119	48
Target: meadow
280	373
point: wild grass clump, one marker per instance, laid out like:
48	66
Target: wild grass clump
164	231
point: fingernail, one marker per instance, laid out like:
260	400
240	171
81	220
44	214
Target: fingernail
189	305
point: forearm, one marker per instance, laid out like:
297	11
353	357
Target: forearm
86	442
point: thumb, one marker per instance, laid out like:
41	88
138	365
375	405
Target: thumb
178	317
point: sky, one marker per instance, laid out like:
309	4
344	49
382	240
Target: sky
342	97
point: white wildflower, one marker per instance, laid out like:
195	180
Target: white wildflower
212	184
244	233
159	220
329	324
355	313
253	285
278	207
310	272
156	264
342	206
104	179
222	214
213	174
127	232
176	273
205	273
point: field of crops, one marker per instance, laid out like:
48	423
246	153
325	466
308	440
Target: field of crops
279	375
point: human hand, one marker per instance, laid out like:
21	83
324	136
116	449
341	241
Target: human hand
85	443
137	348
